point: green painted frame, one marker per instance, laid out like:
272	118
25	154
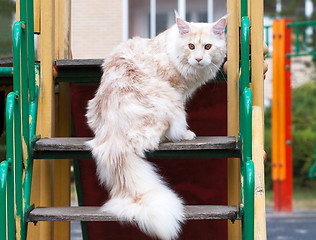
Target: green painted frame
301	48
245	137
21	111
312	171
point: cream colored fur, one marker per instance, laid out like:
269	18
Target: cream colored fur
140	102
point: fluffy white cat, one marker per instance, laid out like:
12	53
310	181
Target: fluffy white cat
140	102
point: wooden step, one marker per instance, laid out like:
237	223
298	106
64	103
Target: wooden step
79	70
90	71
94	214
203	147
6	62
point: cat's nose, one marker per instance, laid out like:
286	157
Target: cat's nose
198	59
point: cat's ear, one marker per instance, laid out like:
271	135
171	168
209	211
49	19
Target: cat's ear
219	26
182	25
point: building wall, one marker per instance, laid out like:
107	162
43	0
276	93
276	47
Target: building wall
96	27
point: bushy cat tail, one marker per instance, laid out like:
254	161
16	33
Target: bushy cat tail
138	195
158	213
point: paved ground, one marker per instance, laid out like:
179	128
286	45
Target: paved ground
76	231
299	225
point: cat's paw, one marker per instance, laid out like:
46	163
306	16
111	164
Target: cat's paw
189	135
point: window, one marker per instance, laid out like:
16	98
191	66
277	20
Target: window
147	18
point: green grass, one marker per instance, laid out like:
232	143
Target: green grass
302	198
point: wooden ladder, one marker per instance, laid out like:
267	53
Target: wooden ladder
201	147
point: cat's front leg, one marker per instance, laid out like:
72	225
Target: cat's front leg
178	128
189	135
176	134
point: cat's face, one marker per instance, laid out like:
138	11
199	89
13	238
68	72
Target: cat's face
203	44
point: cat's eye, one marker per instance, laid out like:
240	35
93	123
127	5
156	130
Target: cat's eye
208	46
191	46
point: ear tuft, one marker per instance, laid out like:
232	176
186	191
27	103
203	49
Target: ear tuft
183	26
219	27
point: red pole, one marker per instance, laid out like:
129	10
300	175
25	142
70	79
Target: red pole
288	185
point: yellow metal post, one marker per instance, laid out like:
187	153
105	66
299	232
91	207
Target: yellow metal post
17	10
42	176
257	87
256	9
63	117
37	16
233	172
258	160
62	166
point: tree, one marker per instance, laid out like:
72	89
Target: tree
7	11
303	135
294	9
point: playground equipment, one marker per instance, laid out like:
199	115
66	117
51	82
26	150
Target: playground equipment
32	101
281	104
312	171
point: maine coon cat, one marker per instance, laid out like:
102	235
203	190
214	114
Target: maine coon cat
141	102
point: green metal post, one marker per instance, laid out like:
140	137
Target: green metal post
312	171
244	79
17	138
32	128
10	105
3	184
245	120
244	8
21	113
6	71
248	217
297	31
30	52
267	39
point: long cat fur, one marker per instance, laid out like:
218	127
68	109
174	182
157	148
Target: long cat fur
140	102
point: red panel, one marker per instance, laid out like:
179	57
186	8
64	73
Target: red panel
287	189
276	195
198	181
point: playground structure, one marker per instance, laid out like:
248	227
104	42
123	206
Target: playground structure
282	106
30	125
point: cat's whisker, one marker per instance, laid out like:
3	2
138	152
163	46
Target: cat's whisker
219	69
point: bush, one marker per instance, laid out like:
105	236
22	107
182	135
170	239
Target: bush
303	135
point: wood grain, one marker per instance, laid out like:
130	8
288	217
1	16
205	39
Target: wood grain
79	144
94	213
73	63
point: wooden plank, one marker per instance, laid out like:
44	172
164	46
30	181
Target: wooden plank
233	166
89	71
6	62
258	161
42	182
78	63
78	144
94	213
